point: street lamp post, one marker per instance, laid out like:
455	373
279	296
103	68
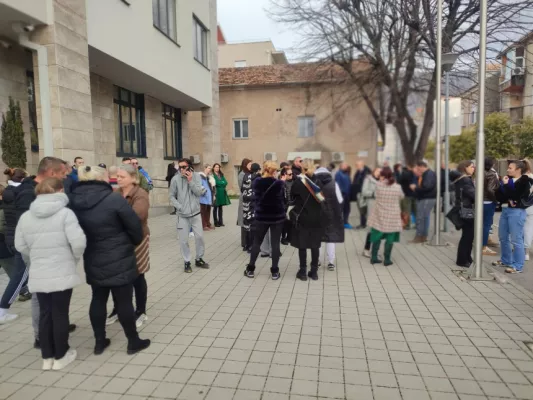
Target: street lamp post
438	67
448	60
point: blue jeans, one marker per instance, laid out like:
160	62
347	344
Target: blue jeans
17	280
423	216
511	232
488	219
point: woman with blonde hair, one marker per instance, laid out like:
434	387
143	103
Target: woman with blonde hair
113	230
138	199
307	221
269	214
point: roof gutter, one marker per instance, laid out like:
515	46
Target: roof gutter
44	88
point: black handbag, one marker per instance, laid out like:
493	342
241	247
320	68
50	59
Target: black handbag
454	215
464	212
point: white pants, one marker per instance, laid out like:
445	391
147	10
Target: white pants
528	228
330	250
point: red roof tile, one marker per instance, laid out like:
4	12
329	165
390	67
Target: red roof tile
283	74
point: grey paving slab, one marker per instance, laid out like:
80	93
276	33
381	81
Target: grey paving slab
411	331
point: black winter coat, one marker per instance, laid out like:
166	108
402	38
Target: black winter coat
428	189
269	200
465	191
334	223
306	218
113	230
358	180
10	215
407	178
514	192
25	196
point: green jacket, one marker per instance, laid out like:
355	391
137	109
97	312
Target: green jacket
143	183
222	198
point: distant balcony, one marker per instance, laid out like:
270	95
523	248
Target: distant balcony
514	85
517	115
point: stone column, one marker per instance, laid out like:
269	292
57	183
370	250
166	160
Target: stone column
69	81
211	116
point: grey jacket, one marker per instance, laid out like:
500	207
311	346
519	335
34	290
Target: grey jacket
185	195
50	235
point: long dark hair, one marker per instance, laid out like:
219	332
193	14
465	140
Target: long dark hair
220	173
386	172
244	165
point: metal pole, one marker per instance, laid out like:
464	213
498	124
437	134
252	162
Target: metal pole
438	79
447	151
477	269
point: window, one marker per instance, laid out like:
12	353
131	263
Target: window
306	126
240	129
129	123
240	63
164	15
473	114
200	42
172	132
32	112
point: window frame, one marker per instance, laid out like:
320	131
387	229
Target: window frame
241	120
138	107
157	24
176	135
240	66
197	23
473	114
306	118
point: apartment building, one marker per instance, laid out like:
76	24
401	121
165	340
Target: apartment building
516	80
247	54
105	79
278	112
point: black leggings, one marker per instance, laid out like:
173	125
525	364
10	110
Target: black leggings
302	255
217	215
259	232
124	306
140	287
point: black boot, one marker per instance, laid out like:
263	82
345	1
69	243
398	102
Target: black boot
313	273
302	273
101	345
388	252
136	345
375	250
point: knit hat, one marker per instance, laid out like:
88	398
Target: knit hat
255	167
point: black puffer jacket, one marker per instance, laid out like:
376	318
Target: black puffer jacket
10	214
113	230
332	210
306	218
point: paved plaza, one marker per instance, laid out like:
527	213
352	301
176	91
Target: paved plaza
411	331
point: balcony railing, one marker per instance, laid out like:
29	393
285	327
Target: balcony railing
514	85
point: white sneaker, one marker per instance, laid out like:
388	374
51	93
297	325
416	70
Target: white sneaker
527	256
191	234
4	319
366	253
140	320
113	317
69	357
48	363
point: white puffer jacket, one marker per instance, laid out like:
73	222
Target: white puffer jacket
50	235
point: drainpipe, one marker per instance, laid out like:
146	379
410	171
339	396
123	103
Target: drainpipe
44	90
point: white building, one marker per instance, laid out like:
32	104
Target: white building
105	79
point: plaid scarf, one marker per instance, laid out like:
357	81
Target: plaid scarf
312	188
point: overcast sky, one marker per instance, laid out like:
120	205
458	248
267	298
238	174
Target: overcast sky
247	20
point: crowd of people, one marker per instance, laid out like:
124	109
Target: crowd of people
50	221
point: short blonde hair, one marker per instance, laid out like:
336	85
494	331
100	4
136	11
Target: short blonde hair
308	167
90	173
269	168
49	186
132	171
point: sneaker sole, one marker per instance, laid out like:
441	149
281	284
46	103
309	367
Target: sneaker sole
111	321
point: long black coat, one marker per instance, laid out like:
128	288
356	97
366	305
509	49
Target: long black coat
465	191
332	210
306	218
113	230
10	215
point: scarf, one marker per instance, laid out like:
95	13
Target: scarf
312	188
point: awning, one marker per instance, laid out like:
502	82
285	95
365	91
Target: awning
313	155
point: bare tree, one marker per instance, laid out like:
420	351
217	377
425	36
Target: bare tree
397	41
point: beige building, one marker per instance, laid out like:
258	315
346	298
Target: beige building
516	80
104	79
247	54
278	112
